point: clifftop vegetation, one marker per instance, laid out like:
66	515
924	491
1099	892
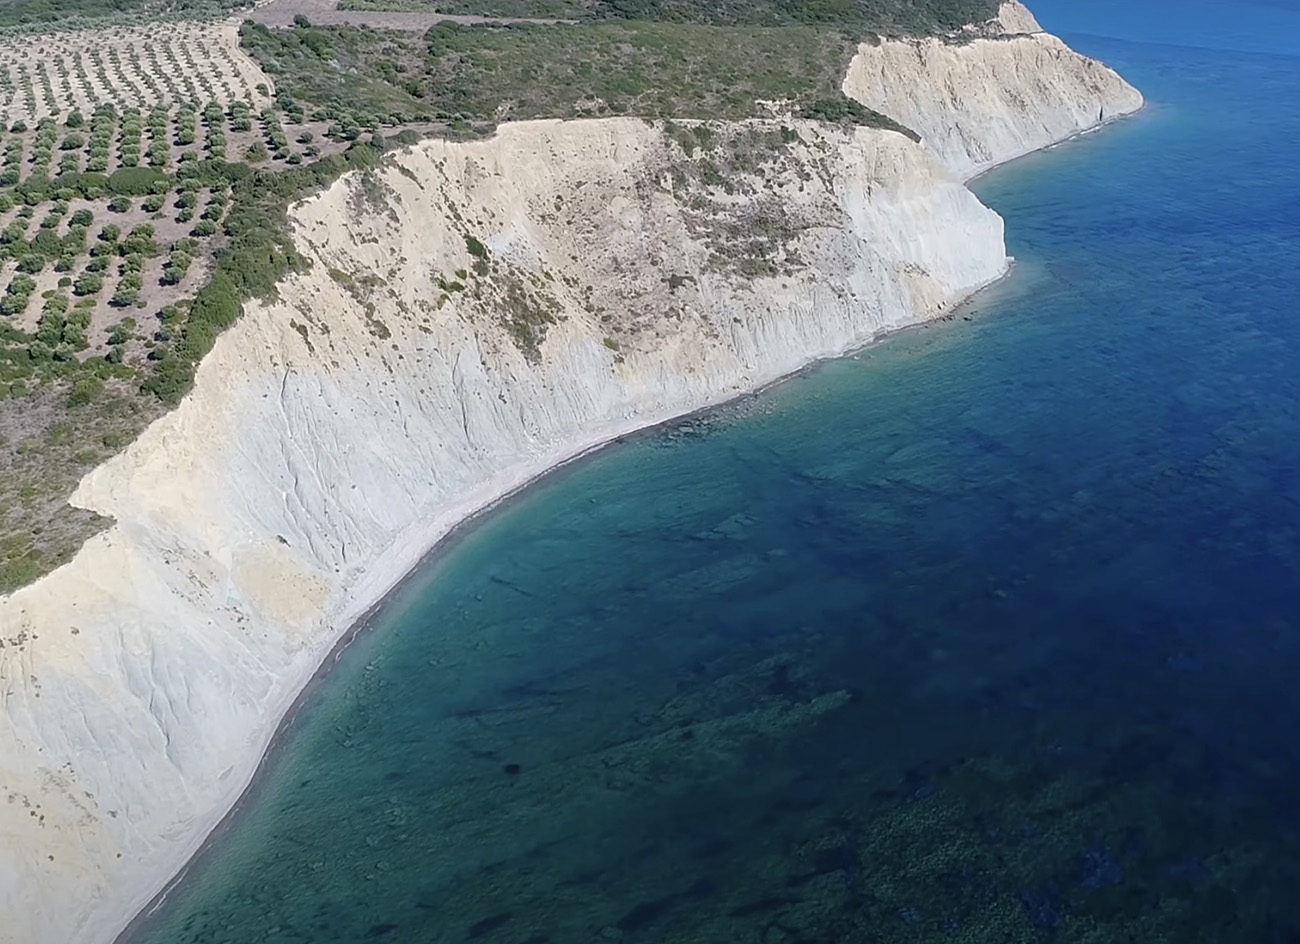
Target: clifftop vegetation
472	77
650	58
146	169
884	17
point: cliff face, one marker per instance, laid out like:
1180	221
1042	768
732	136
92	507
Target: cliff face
475	313
988	99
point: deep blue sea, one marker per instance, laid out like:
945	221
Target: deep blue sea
990	633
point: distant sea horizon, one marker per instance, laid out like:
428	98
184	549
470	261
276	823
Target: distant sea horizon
989	632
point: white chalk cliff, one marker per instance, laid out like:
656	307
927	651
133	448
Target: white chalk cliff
991	96
476	313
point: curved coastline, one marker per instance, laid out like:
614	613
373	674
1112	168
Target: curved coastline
441	539
1101	126
436	536
371	583
241	556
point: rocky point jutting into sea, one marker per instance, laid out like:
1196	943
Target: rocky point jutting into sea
475	314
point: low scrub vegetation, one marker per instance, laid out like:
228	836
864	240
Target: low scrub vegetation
886	17
471	78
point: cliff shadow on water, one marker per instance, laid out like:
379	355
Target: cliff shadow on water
985	633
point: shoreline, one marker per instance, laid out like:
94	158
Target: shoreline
415	545
978	172
394	568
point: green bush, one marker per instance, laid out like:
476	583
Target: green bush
169	379
74	339
49	330
134	181
17	294
140	241
178	263
124	296
122	332
13	304
85	389
88	283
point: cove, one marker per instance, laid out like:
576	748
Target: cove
988	632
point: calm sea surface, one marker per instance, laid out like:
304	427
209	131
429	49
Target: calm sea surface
990	633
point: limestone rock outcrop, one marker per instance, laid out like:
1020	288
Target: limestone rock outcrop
979	102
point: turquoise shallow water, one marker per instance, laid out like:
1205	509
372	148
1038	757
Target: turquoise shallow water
989	633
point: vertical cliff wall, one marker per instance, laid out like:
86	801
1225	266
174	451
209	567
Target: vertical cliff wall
990	96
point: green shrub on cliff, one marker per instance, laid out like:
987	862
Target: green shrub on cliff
258	253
